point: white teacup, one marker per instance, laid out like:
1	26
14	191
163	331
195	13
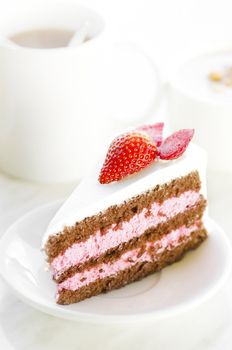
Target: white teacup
196	101
60	106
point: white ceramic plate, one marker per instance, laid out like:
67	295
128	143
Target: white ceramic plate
175	289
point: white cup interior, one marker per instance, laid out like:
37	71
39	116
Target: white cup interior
57	16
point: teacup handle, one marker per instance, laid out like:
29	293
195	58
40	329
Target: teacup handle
151	107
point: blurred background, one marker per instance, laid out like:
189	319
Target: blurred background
164	29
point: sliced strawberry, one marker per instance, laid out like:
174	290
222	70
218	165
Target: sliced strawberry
127	154
154	131
175	145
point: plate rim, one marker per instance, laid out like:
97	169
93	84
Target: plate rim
60	312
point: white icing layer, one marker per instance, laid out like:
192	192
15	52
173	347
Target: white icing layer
90	197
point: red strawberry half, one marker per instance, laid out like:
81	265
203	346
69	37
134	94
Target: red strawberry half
175	145
127	154
154	131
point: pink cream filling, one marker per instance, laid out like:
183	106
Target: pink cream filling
98	243
128	259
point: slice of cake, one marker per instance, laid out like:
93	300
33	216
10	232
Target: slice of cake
108	235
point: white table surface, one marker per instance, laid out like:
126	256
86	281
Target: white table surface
209	326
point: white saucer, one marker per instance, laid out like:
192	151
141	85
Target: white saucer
175	289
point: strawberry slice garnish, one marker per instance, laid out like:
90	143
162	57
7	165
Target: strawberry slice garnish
175	145
131	152
127	154
154	131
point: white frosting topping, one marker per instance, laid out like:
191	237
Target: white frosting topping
90	197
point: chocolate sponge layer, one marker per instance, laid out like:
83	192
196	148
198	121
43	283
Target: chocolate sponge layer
134	273
116	214
187	218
